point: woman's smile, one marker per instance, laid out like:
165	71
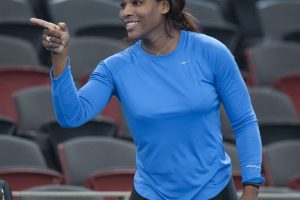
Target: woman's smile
131	25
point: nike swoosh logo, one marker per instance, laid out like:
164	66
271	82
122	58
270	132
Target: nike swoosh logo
184	62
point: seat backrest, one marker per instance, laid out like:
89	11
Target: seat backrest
34	107
268	61
26	77
95	127
87	52
272	106
285	13
60	188
82	156
208	13
14	10
79	13
15	151
22	164
24	30
16	51
281	161
290	85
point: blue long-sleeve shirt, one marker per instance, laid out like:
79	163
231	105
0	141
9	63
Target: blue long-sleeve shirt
172	105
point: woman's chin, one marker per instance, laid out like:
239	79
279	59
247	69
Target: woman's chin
133	36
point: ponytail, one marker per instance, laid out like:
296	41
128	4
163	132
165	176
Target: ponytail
190	22
179	18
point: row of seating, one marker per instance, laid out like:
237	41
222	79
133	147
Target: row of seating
102	20
105	13
36	121
85	163
276	115
273	108
270	64
209	13
86	53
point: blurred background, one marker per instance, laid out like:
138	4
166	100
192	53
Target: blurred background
36	154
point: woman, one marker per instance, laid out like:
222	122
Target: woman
170	82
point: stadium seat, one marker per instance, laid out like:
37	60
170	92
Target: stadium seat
14	78
34	107
14	10
23	165
270	60
286	15
17	51
111	180
290	85
87	52
59	188
281	162
272	106
83	156
29	32
100	12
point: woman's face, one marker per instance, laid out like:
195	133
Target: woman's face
143	19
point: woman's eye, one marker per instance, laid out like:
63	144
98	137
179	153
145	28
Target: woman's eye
137	3
122	5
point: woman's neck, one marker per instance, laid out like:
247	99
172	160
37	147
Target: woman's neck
161	44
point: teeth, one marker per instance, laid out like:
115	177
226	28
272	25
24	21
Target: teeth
131	24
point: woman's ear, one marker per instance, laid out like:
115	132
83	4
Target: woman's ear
165	7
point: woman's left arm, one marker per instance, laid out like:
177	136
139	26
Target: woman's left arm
236	100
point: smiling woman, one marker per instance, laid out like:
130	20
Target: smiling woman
171	82
157	23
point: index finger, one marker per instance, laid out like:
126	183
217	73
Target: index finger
44	23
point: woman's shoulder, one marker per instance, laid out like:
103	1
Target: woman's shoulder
205	41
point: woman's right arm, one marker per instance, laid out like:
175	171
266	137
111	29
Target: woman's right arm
72	107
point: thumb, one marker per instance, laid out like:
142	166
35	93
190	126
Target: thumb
63	26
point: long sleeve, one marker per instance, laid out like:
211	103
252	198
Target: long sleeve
235	98
74	108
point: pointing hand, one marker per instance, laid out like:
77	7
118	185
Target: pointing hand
55	37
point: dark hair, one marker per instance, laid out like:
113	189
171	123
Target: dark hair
179	18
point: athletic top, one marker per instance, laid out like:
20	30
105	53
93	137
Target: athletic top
172	105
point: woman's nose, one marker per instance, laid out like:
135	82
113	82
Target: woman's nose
126	11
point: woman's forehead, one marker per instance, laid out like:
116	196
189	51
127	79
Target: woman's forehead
134	0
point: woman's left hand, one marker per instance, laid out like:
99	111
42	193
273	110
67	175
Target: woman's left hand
250	193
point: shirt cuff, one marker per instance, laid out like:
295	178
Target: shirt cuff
252	174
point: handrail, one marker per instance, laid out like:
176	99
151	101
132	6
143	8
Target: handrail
126	195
